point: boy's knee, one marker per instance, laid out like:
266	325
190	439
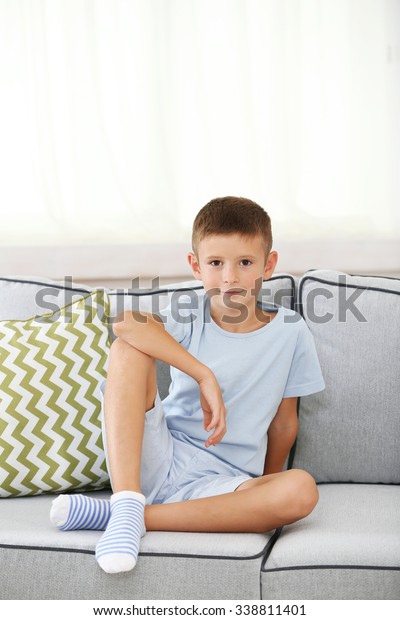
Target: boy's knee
141	365
304	493
307	493
120	347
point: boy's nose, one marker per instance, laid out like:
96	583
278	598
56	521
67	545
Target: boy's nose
230	275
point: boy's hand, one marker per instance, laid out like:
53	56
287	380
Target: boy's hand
213	409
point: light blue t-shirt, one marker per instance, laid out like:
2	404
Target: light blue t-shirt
255	370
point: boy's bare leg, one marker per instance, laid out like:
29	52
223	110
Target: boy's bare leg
258	505
130	391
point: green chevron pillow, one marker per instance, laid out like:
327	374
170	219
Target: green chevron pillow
51	370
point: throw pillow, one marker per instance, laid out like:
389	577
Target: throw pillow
51	370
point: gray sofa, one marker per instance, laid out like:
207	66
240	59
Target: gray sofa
348	548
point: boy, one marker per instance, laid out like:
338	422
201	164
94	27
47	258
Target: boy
237	370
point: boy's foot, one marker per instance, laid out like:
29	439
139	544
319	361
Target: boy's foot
118	548
80	512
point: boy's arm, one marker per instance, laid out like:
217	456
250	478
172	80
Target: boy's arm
146	332
281	435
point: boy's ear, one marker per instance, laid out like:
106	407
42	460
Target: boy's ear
194	265
270	264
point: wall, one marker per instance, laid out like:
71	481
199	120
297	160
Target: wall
117	265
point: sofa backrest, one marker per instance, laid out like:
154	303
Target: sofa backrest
22	297
350	431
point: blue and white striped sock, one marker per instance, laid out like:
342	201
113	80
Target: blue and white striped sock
118	549
80	512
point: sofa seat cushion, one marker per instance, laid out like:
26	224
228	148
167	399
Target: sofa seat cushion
348	548
37	561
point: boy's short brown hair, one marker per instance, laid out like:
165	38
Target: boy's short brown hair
231	214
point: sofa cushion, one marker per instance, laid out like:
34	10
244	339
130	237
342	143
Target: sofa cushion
51	368
37	561
22	297
349	432
348	548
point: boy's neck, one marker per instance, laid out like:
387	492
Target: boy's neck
235	321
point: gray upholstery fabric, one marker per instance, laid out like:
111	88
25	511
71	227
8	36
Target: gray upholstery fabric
349	432
39	562
331	584
349	547
22	297
40	575
163	378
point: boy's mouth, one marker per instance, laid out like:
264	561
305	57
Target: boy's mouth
234	291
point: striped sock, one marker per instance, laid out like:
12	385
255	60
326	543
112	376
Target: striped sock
80	512
118	548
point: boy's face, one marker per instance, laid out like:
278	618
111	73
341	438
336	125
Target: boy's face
232	268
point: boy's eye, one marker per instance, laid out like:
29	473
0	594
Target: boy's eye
245	262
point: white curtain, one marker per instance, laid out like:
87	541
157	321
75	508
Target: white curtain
119	119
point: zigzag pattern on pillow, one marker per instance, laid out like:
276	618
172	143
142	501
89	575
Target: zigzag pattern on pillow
51	369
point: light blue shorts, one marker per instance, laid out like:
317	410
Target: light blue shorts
173	470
